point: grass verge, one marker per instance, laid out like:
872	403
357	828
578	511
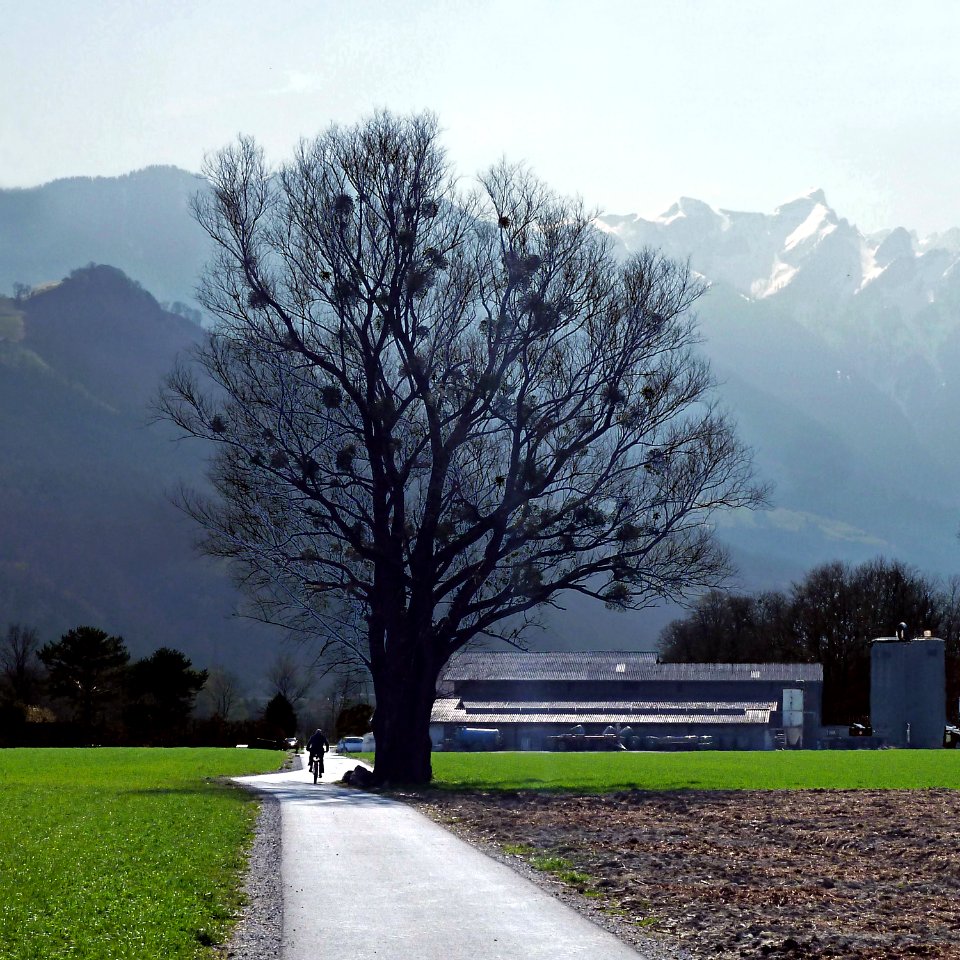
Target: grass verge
122	853
708	770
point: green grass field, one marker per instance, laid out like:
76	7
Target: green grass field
121	853
709	770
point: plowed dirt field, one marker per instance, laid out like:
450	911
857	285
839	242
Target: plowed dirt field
858	875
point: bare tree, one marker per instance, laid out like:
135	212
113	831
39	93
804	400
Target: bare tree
437	411
291	678
343	686
221	692
19	664
733	628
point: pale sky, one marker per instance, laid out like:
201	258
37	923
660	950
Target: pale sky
628	103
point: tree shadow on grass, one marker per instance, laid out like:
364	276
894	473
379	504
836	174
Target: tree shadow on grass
219	790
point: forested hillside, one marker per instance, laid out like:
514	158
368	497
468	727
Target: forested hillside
89	532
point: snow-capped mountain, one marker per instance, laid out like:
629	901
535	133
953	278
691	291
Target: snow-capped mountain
890	302
801	242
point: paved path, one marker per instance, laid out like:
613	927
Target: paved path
368	877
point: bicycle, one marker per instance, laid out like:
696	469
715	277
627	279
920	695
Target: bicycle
316	766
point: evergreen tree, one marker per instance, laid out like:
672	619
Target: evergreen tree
85	668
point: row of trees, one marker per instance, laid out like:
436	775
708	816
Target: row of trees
828	617
85	687
303	695
87	678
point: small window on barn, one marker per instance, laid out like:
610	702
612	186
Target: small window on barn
621	668
754	674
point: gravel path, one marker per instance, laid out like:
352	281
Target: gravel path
259	933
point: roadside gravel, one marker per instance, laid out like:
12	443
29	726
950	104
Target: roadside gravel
259	933
597	912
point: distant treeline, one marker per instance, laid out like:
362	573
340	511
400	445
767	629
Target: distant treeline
84	689
829	617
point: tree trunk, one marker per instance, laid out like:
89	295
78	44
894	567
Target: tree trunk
401	724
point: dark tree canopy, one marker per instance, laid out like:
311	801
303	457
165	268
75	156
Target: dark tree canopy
733	628
830	617
353	721
85	668
279	718
436	410
161	691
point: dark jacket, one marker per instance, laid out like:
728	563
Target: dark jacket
318	743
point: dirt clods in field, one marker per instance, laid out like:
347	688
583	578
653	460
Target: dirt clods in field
845	875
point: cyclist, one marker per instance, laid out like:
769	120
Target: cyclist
317	746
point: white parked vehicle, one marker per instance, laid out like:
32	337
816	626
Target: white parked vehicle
350	745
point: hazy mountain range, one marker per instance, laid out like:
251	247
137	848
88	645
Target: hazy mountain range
139	222
888	304
837	352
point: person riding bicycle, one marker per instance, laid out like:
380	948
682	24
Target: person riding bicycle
317	746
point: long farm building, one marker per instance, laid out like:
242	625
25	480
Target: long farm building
538	701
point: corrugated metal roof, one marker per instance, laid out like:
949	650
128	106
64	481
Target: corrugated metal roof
619	706
615	665
451	711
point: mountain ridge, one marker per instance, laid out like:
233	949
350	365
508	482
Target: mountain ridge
90	534
846	390
139	222
887	303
